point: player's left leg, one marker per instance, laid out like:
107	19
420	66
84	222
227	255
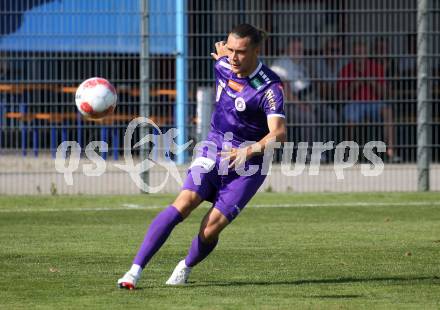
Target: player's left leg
203	244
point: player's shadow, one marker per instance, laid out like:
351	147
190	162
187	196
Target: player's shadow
335	296
315	281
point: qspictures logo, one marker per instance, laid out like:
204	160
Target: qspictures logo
206	157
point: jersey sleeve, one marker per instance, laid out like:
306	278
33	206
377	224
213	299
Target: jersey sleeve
272	101
221	67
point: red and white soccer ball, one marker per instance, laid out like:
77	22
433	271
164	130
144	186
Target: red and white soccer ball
96	98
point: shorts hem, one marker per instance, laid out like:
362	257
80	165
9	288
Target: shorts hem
195	191
229	217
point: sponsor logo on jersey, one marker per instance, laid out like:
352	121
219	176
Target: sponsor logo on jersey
231	94
235	86
264	76
221	86
256	83
270	97
240	104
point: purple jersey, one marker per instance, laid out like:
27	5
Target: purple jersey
242	108
244	104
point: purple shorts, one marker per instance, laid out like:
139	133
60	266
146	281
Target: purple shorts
228	193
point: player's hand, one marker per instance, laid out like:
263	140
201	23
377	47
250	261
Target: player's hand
221	50
236	156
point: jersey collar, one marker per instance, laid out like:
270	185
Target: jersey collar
260	64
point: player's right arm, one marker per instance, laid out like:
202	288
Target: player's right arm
221	67
220	50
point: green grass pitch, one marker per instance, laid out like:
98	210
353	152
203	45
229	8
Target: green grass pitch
312	251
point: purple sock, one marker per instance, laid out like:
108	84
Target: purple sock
198	251
159	230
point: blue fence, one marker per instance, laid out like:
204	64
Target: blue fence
48	47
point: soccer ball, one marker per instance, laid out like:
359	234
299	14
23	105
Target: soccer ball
96	98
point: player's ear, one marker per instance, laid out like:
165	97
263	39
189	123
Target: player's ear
257	50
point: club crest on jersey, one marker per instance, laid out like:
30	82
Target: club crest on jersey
221	86
240	104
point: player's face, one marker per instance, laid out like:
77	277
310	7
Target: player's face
242	55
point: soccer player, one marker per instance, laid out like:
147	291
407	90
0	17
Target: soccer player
249	107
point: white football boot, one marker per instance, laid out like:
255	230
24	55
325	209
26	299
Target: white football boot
128	281
180	274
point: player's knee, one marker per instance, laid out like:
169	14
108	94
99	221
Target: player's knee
183	208
186	202
209	234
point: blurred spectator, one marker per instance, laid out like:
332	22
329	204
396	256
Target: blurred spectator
408	63
407	67
383	56
297	89
326	70
362	84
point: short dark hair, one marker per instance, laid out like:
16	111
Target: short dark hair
255	35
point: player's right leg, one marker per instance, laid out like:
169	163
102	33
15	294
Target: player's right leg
159	230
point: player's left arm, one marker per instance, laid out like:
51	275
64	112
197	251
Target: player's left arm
273	106
277	133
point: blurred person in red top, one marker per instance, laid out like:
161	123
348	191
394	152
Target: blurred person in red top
362	84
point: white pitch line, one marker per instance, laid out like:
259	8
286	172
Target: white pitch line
78	209
134	206
292	205
349	204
